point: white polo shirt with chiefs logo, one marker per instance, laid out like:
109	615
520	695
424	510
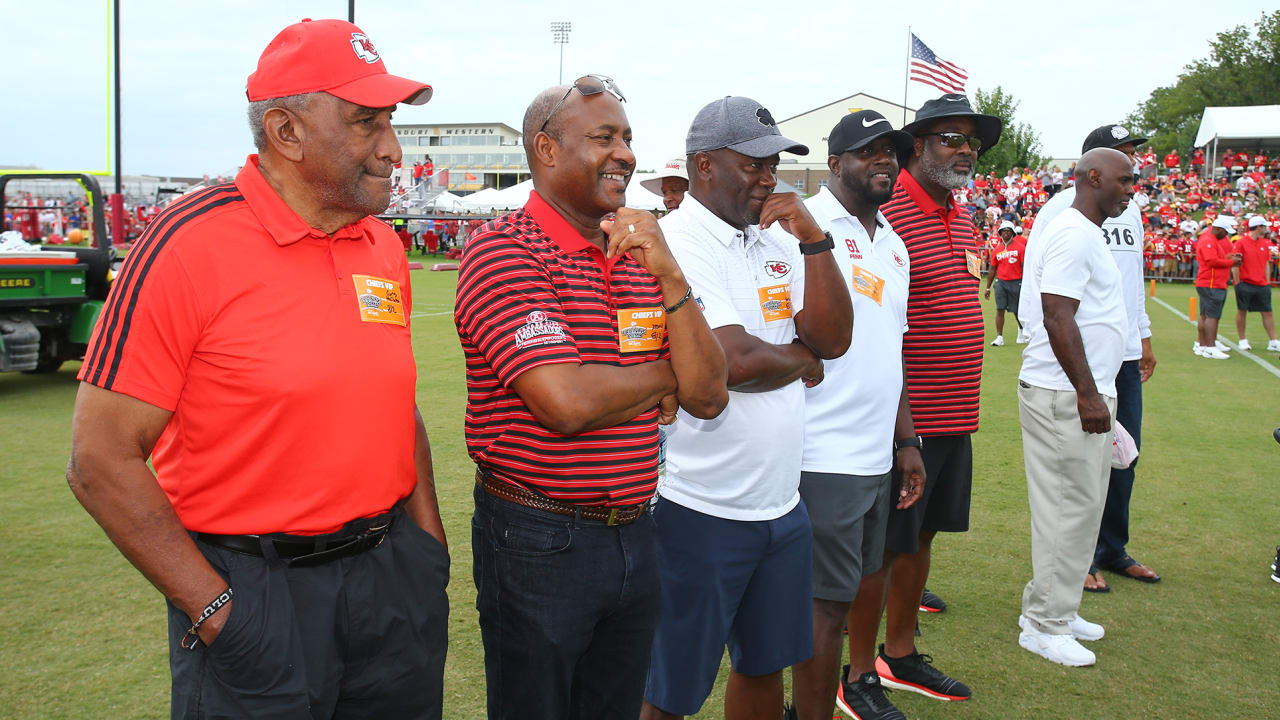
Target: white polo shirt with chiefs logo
744	464
850	415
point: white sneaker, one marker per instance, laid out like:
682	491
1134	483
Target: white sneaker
1214	353
1023	338
1221	348
1273	346
1197	349
1244	344
998	342
1081	629
1061	649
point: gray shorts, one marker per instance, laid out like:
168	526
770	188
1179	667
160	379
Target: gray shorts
1211	301
848	514
1007	294
1253	298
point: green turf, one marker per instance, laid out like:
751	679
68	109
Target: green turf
82	634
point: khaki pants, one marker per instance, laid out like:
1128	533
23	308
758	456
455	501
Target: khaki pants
1067	474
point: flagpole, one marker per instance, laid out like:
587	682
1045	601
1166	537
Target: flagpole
906	77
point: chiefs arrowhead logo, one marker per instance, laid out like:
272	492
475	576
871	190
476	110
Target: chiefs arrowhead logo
364	48
777	268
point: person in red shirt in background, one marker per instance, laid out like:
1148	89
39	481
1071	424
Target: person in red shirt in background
1197	161
1229	160
1172	161
1242	161
1159	251
1260	161
1007	254
1216	258
1253	292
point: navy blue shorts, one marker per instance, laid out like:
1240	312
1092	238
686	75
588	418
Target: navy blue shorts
743	583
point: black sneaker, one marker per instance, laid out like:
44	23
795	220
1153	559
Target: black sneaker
789	712
864	699
931	603
916	673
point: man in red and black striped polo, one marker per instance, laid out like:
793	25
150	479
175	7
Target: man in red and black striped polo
580	336
943	356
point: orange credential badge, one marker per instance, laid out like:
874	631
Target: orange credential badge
379	300
972	262
641	329
867	283
775	302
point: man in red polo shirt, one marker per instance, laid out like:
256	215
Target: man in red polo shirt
1172	161
1216	258
256	347
1253	292
1007	254
581	335
942	352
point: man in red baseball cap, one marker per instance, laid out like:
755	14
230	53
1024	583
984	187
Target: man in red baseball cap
256	348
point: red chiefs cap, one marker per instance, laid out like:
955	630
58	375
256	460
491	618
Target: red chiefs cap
330	56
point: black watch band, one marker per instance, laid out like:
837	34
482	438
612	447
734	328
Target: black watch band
826	243
915	442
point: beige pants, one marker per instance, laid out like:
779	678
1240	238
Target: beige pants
1067	476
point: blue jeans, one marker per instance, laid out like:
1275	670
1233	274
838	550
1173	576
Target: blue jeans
568	608
1113	534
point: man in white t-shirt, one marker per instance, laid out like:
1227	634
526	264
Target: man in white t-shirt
858	419
1073	306
1125	238
734	545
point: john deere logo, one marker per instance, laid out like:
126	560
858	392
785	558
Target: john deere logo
21	282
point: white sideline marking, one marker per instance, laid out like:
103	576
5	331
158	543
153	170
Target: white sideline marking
1265	365
446	312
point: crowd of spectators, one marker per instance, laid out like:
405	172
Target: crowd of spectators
1177	197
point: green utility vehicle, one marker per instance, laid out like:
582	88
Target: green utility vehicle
50	297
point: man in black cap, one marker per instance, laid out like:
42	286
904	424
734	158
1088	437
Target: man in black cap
1125	239
853	418
734	544
942	353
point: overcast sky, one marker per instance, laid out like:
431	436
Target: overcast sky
184	64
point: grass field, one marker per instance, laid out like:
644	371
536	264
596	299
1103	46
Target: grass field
82	635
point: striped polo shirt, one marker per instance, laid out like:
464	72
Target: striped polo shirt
532	292
943	348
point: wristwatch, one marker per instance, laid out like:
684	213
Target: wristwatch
826	243
916	442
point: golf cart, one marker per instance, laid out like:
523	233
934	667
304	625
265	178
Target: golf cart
51	295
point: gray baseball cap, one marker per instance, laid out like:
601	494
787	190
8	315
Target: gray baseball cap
742	125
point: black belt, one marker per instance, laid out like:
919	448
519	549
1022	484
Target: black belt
304	551
619	515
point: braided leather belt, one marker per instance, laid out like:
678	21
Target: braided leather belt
623	515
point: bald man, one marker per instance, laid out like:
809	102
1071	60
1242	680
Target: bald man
1073	307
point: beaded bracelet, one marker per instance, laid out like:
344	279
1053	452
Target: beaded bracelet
192	638
687	294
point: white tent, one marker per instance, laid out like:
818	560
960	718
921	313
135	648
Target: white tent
446	202
479	200
640	198
1248	128
513	197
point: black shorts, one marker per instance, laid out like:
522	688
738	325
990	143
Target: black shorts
1007	294
1211	301
1253	298
944	504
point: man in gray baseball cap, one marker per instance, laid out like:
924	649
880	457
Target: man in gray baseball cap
734	543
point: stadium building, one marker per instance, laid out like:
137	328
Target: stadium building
474	155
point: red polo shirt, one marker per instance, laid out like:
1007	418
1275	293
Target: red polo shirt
1255	254
283	354
533	292
1211	254
943	348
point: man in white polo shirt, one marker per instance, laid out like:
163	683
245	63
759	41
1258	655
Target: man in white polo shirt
1074	308
857	421
734	549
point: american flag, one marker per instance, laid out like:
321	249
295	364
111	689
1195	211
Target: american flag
933	70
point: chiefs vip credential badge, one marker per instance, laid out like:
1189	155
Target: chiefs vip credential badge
380	300
868	283
973	264
641	329
775	302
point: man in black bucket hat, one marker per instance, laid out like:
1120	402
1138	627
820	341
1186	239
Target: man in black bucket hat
942	353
